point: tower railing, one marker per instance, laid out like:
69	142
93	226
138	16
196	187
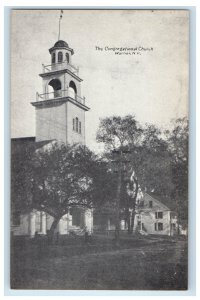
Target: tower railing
59	94
60	66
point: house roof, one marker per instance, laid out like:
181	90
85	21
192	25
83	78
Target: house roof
148	198
167	204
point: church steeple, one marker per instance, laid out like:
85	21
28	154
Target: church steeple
60	108
61	53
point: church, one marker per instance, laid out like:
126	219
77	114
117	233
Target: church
60	116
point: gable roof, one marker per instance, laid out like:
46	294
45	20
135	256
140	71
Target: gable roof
157	203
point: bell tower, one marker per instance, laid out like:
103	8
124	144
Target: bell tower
60	109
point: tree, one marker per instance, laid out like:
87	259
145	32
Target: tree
143	153
118	134
57	179
177	139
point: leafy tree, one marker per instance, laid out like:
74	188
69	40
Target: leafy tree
118	134
143	153
56	179
177	139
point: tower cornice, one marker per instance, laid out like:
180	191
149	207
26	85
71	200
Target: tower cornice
57	101
56	72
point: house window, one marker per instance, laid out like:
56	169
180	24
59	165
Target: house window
74	124
158	214
60	57
141	204
150	204
80	127
158	226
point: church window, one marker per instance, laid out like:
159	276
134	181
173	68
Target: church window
76	124
72	90
56	86
60	57
80	127
67	57
53	58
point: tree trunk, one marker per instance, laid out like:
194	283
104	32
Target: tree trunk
51	234
129	215
132	221
132	215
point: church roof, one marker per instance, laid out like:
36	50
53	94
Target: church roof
28	141
61	44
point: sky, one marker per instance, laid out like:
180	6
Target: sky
150	82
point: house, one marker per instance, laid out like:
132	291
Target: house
154	217
151	217
60	116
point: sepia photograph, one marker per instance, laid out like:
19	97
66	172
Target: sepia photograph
99	149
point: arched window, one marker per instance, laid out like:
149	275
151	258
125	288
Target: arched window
72	90
60	57
76	124
53	60
80	127
56	85
67	57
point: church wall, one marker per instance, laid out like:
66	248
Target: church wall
74	111
64	224
46	87
69	78
89	220
51	123
23	228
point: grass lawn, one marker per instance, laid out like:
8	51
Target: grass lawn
138	263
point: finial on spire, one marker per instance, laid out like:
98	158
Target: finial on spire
61	13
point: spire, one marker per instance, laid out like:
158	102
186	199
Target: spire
60	18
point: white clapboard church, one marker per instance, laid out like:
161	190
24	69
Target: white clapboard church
60	116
